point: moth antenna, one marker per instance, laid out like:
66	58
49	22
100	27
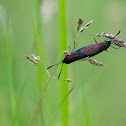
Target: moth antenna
116	34
53	65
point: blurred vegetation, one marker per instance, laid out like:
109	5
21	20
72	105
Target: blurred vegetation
47	28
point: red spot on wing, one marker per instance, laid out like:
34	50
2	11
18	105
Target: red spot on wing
69	56
96	52
88	47
100	43
92	48
80	50
76	53
86	51
94	45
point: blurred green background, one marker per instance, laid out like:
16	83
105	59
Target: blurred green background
47	28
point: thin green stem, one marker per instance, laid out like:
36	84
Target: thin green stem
39	48
63	100
40	98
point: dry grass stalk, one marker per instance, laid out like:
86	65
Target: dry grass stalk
35	63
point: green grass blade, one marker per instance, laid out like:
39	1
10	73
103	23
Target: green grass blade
63	46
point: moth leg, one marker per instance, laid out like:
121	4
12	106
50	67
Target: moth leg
69	49
106	50
104	37
96	40
73	47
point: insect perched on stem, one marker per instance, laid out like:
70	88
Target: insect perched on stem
87	51
83	53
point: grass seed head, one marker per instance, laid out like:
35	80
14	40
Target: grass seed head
35	57
68	80
94	62
110	36
124	44
90	22
86	26
119	42
79	23
65	52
